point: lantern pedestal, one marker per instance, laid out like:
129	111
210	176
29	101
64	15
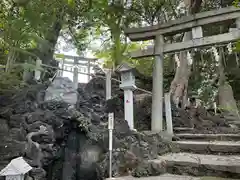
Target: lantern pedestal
128	107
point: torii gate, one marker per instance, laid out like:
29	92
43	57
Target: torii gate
76	65
192	23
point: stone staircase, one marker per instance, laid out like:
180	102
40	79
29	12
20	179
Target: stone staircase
201	157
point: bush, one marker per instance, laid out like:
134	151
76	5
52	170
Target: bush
11	80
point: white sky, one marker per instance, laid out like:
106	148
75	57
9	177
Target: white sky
70	50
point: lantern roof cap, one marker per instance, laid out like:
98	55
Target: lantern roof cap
17	166
124	67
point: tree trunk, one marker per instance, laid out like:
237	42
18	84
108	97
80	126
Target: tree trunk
12	55
225	93
117	50
46	52
179	85
46	49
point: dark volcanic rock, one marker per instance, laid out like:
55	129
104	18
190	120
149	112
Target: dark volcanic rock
63	142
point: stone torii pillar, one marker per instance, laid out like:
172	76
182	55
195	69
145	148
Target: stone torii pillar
128	85
157	90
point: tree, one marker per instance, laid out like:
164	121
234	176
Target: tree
113	18
179	85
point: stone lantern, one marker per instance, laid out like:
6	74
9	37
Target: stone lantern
128	85
16	169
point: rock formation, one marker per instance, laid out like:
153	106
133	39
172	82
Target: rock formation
64	142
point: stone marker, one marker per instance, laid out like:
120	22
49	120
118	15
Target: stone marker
62	89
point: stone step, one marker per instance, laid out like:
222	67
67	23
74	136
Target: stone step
169	177
210	147
182	129
200	165
205	137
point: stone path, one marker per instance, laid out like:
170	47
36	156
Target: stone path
213	147
170	177
211	162
221	137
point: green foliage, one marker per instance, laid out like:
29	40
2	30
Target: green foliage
98	26
10	81
236	3
111	19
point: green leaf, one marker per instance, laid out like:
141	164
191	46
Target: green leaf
71	3
59	56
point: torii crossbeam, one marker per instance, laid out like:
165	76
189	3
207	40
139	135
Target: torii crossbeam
192	23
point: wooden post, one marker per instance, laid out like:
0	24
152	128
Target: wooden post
75	74
37	74
215	107
62	67
168	111
157	97
110	129
108	84
88	69
110	117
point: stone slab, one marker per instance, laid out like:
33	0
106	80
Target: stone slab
213	147
214	164
62	89
182	130
221	137
169	177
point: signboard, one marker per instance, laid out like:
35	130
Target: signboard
15	177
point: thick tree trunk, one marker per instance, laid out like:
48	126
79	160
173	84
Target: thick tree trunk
46	52
225	93
179	85
46	48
